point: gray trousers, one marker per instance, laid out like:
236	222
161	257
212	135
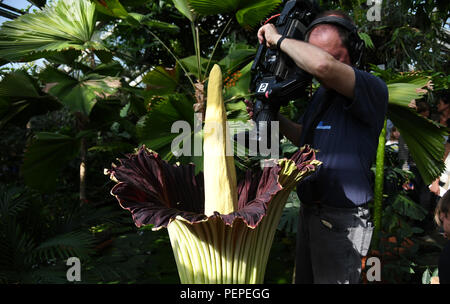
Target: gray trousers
330	244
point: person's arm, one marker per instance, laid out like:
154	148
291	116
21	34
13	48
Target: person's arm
330	72
290	129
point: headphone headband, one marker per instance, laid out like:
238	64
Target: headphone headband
347	25
356	45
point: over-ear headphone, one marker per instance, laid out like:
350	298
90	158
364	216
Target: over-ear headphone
355	45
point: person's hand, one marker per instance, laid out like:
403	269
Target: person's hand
434	187
268	34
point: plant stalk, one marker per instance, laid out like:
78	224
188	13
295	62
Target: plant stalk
378	191
173	55
196	39
83	157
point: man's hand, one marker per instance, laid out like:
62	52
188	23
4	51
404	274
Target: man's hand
268	34
434	187
323	56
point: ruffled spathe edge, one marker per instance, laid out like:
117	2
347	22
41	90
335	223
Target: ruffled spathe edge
157	193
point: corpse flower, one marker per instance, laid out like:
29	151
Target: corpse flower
225	238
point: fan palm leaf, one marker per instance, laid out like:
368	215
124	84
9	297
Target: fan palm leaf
425	138
74	243
21	98
68	24
248	12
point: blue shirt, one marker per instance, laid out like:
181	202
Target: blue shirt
347	139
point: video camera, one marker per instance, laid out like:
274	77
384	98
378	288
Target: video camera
276	79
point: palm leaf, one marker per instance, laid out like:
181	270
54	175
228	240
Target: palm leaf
425	138
252	15
12	201
15	246
19	84
111	8
161	81
78	95
239	88
191	65
208	7
68	24
183	6
154	129
45	158
407	207
114	8
248	12
75	243
289	217
21	98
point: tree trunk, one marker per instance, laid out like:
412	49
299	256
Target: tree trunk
199	106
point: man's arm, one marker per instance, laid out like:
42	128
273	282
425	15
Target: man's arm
329	71
290	129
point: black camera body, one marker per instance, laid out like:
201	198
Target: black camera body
276	79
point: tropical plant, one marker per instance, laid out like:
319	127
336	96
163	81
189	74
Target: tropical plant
29	254
408	32
60	36
216	237
117	74
424	137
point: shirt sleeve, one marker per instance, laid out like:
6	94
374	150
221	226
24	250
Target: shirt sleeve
370	99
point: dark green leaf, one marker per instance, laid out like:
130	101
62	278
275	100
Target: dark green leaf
154	129
45	158
78	95
111	8
161	81
68	24
183	6
425	140
21	98
407	207
252	15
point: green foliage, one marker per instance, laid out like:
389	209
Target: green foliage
29	248
424	137
425	141
78	95
289	218
117	74
69	24
411	33
21	98
162	81
248	13
155	129
45	158
404	221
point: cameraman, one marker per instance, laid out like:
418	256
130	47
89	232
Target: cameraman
343	121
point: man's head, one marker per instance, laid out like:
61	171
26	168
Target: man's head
444	101
423	108
442	214
333	38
